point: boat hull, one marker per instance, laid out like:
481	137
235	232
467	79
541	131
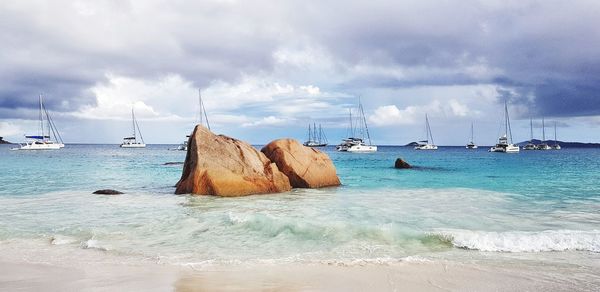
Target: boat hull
506	149
426	147
133	145
361	148
40	147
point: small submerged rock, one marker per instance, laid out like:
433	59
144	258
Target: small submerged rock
400	163
173	163
107	192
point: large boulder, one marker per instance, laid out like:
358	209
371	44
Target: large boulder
305	167
223	166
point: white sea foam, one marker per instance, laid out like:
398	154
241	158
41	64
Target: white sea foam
93	244
521	241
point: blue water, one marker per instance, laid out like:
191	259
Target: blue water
455	202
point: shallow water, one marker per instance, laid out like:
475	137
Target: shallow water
456	203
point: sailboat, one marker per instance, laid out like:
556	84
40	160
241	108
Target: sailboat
543	145
425	145
315	138
471	144
504	144
47	128
530	145
132	141
556	146
202	113
355	143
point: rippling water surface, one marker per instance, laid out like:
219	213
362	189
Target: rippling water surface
455	203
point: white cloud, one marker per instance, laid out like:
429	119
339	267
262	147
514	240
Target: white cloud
389	115
266	121
10	129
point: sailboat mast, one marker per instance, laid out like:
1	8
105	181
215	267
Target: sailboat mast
531	130
364	120
508	122
543	131
351	125
133	122
429	135
41	116
555	141
472	132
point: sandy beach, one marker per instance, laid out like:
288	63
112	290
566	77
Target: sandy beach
402	276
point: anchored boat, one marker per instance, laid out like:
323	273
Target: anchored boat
132	141
356	143
47	130
505	145
425	145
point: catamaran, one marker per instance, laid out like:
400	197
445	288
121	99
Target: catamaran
315	138
504	144
530	145
543	145
132	141
556	146
355	141
471	144
47	128
425	145
202	116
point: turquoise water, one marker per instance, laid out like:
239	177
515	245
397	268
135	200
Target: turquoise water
455	203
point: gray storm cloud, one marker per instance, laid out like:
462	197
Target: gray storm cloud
545	50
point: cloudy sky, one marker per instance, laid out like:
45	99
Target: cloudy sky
268	68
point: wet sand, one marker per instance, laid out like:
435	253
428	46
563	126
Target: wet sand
410	276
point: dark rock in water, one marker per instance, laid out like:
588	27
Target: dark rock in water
173	163
107	192
401	164
3	142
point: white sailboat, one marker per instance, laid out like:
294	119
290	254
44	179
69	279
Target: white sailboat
47	129
556	146
471	144
355	143
425	145
504	144
543	145
132	141
316	138
530	145
202	116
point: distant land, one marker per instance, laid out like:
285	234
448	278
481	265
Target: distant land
4	142
549	142
564	144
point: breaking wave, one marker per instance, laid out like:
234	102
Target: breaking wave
521	241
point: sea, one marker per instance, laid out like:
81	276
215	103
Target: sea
456	205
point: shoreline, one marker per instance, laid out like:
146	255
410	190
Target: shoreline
408	276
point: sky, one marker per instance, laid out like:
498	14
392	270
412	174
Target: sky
266	69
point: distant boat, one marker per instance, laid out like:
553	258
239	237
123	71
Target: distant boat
530	145
504	144
556	146
543	145
316	138
47	128
202	116
355	141
471	144
132	141
425	145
